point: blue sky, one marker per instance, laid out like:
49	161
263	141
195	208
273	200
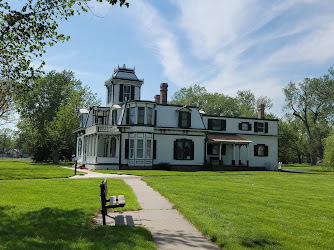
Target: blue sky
225	46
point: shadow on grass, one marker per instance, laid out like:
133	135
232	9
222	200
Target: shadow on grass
53	228
259	243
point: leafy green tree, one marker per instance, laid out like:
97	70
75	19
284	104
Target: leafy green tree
49	114
7	138
312	103
292	145
26	28
245	104
328	160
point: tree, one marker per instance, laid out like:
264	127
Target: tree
7	137
312	103
245	104
49	114
328	160
25	30
292	146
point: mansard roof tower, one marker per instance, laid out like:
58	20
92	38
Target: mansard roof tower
123	86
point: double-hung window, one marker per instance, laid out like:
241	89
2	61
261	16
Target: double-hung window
245	126
132	115
261	127
149	116
183	149
141	115
184	119
260	150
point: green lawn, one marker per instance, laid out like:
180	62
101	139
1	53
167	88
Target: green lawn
256	209
165	172
11	170
311	169
58	213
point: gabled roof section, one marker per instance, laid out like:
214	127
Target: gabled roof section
184	108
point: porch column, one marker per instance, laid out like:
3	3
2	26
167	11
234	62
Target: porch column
247	152
233	160
220	152
96	147
239	154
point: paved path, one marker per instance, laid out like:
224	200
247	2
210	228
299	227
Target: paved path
169	228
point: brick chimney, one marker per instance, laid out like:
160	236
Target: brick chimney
157	98
163	93
260	111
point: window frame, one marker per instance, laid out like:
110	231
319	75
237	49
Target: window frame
184	116
261	150
181	151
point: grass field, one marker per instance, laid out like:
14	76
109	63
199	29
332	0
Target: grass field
11	170
57	214
270	210
310	169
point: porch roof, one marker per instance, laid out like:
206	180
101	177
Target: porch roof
227	138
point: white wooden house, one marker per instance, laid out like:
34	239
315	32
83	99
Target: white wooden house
130	133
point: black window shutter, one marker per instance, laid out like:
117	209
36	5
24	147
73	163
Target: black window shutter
210	124
121	92
209	149
266	151
192	151
223	149
223	125
266	127
155	118
126	149
180	119
154	149
175	150
255	127
240	126
249	126
132	92
128	116
189	119
256	153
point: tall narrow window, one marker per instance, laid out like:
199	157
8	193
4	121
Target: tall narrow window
140	148
141	115
148	149
132	149
127	92
113	147
184	119
106	142
132	115
149	116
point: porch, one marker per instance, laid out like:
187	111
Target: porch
227	150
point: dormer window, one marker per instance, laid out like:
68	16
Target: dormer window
184	117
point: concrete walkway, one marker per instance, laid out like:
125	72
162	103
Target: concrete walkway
169	228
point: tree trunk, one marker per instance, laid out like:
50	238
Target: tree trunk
299	159
313	159
55	156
